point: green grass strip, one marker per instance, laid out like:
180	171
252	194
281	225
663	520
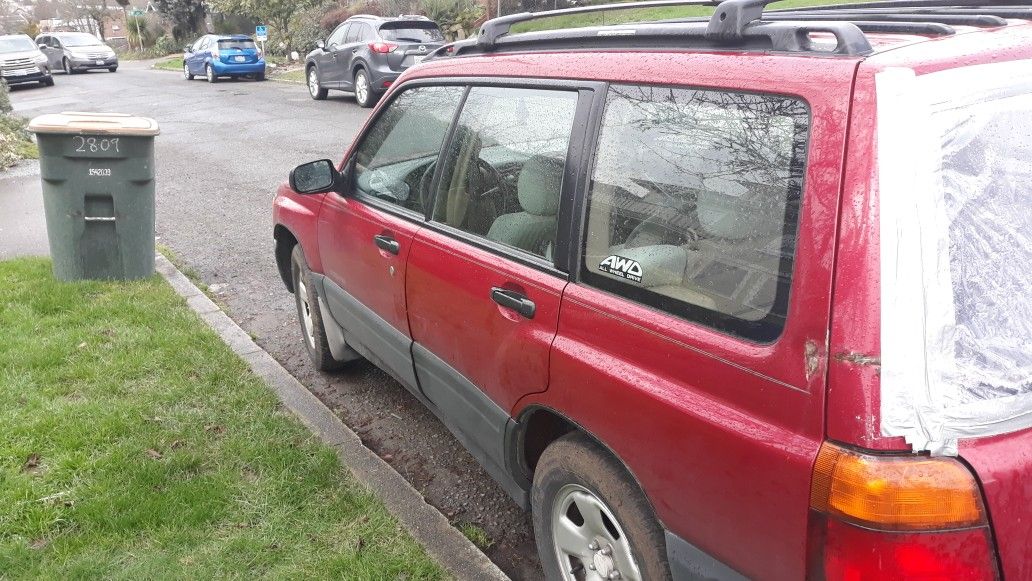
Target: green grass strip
136	445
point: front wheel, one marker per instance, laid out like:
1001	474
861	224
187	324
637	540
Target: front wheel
313	333
209	72
186	72
314	88
112	69
363	89
66	66
591	520
48	82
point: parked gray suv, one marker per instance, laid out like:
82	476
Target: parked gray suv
76	51
365	54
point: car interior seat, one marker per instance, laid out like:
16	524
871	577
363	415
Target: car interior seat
537	189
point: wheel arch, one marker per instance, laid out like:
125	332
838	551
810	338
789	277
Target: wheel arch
359	64
285	243
537	427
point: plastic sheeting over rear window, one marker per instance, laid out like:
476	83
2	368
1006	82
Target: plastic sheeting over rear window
955	180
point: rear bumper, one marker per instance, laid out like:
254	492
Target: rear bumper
17	76
222	68
381	79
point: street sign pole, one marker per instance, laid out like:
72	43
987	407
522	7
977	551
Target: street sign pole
261	34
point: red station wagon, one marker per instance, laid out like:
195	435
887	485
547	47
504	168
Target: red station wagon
740	296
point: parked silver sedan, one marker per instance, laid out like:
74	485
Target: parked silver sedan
76	51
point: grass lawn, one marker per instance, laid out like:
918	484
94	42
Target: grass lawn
646	14
174	63
135	445
296	75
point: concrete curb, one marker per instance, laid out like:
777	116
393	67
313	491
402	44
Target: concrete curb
426	524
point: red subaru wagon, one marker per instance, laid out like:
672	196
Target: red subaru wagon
737	296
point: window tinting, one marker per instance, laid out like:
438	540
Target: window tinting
504	168
411	32
395	160
694	202
230	43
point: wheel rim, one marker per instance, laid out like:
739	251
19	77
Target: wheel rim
67	67
589	542
313	82
186	71
306	312
361	87
210	73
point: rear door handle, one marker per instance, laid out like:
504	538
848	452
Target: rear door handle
387	243
513	300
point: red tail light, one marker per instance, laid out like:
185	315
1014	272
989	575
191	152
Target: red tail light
896	517
382	47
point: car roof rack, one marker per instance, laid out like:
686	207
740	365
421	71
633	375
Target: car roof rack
745	25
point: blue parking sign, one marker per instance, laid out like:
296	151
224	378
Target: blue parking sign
261	32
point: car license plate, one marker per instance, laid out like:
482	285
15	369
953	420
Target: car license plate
239	59
100	61
417	59
19	72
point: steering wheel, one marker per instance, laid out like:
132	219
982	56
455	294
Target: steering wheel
425	180
489	174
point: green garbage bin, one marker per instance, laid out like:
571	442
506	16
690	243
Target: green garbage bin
98	193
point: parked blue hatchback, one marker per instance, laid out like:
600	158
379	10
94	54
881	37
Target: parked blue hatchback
214	56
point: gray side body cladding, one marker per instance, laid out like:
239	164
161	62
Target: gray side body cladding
476	421
690	563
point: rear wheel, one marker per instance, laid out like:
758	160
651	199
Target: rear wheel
363	90
591	520
186	72
313	333
209	72
314	89
259	77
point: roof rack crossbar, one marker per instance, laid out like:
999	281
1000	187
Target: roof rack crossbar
979	5
997	11
979	20
495	28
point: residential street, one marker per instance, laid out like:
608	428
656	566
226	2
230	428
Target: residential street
222	151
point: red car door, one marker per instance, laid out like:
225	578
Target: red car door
365	235
482	290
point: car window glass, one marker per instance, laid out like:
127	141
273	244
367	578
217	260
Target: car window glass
368	34
200	42
503	170
411	32
338	35
694	201
354	32
394	162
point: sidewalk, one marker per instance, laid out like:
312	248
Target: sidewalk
23	230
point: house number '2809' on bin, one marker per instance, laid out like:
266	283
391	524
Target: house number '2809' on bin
94	144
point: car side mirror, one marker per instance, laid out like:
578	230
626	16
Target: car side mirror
314	177
319	44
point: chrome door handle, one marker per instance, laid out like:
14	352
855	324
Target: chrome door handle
514	300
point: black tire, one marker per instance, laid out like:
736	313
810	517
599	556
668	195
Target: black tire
315	89
112	69
209	73
579	464
259	77
186	72
366	98
48	82
315	343
66	66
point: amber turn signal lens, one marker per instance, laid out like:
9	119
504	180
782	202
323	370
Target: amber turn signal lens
895	492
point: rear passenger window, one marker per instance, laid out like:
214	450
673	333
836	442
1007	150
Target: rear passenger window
394	162
694	202
504	168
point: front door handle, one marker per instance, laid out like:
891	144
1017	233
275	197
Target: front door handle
387	243
513	300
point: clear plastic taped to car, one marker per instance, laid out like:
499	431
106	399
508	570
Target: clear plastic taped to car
955	181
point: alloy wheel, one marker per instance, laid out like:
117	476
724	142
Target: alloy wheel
361	88
313	82
67	66
588	540
306	312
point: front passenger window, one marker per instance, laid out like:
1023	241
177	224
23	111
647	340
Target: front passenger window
395	160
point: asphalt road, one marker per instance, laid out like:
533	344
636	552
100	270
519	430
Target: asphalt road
223	149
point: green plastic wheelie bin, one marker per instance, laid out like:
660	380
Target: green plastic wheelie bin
98	193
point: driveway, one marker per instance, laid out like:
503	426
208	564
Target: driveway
223	149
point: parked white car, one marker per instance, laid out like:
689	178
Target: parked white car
22	62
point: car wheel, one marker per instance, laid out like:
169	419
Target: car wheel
186	72
591	520
313	333
48	82
66	65
112	69
259	77
314	89
363	90
209	72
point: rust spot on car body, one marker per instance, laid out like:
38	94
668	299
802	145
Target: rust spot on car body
859	359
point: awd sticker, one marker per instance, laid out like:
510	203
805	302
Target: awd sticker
622	267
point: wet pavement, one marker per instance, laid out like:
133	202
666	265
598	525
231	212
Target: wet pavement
222	151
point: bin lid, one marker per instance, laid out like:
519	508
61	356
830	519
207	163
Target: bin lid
73	123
